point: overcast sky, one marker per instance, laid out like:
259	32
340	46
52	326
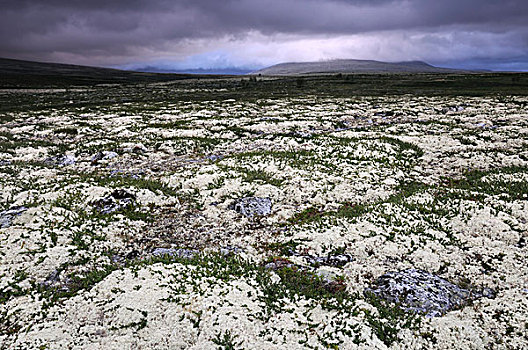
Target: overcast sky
185	34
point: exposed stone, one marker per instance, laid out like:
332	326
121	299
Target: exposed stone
175	252
326	275
332	281
453	109
384	113
115	201
7	216
252	206
104	155
63	160
521	243
135	148
422	292
270	119
279	263
303	134
331	260
229	250
55	281
214	157
484	293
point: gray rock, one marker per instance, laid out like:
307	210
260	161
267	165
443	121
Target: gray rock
191	253
303	134
280	263
115	201
421	292
252	206
7	216
485	293
104	155
384	113
326	275
230	251
63	160
330	260
67	160
453	109
338	260
53	277
214	157
175	252
135	148
55	281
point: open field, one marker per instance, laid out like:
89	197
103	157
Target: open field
122	224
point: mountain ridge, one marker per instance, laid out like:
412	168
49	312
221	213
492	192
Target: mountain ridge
352	66
15	72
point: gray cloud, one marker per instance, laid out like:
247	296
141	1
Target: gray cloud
128	31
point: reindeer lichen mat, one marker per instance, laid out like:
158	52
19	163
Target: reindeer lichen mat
264	214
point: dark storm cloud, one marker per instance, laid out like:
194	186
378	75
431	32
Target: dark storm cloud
107	31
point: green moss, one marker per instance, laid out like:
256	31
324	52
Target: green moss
226	340
389	320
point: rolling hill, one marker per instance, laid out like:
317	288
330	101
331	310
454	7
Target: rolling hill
351	66
19	73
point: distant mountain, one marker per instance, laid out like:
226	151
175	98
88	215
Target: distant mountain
351	66
28	73
223	71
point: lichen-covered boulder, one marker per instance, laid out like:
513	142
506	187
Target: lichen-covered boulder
175	252
104	155
134	148
62	160
281	263
7	216
421	292
115	201
337	260
252	206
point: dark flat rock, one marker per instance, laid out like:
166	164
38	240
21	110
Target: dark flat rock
7	216
424	293
115	201
252	206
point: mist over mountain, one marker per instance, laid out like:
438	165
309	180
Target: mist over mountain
222	71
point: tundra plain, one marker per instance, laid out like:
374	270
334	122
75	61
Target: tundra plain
118	228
